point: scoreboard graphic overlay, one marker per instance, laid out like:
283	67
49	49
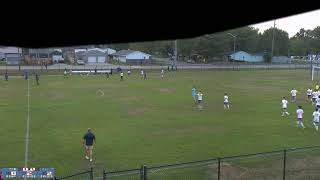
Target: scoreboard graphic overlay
27	173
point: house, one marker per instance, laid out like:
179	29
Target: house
107	51
12	55
56	55
281	59
94	56
247	57
38	56
40	53
132	57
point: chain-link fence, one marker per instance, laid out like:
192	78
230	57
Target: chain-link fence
234	67
294	163
86	175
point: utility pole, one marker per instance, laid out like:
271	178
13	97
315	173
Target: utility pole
175	52
234	47
272	45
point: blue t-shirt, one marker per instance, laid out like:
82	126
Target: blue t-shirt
194	92
89	137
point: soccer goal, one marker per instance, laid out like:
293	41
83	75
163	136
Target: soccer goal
315	73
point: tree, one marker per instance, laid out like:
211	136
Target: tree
281	41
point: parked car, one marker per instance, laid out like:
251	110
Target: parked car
80	62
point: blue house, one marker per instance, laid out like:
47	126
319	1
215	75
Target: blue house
247	57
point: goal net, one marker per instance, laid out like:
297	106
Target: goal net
315	73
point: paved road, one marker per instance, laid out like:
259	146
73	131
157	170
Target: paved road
150	67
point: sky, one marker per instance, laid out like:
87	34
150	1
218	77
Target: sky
293	24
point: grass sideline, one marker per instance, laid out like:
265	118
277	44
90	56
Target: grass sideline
150	122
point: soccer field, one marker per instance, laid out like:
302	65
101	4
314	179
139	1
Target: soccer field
150	121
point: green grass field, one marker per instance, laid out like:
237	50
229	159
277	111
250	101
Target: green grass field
150	121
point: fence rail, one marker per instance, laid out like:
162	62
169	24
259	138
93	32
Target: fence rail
291	163
234	67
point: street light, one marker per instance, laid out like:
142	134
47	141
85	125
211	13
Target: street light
234	46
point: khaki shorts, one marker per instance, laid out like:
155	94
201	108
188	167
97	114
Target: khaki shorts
89	147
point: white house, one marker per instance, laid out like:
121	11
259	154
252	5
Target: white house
107	51
132	57
12	55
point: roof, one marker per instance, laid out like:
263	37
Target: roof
252	54
105	50
40	51
94	52
127	52
123	53
10	50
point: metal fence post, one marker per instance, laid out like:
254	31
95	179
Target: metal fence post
141	172
219	162
104	175
91	173
284	163
145	172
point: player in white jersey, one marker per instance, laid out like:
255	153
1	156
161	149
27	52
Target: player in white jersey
314	97
226	101
200	100
316	115
309	94
162	73
284	106
318	102
294	95
299	116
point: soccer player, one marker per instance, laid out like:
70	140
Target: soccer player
309	94
316	115
121	76
200	100
226	101
129	72
299	116
314	96
318	102
88	140
284	106
6	76
162	73
144	75
194	94
65	73
294	95
141	72
37	79
26	75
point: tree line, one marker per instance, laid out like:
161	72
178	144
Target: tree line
218	45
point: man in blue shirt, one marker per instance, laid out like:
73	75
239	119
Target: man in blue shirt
88	139
194	94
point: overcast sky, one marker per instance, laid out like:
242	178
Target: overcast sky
293	24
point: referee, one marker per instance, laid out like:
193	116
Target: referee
88	140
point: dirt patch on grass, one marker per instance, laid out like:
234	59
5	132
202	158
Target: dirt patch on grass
190	130
300	168
138	111
53	95
167	90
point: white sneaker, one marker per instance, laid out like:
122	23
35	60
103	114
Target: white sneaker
87	157
90	160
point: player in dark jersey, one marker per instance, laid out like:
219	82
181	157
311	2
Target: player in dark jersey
88	140
37	79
